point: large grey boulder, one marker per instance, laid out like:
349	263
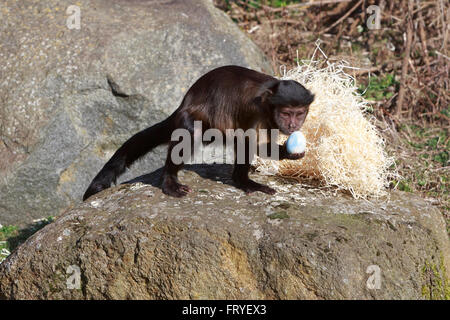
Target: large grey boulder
133	242
69	98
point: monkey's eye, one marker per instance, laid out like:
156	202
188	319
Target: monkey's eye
285	114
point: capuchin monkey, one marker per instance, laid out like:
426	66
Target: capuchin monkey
229	97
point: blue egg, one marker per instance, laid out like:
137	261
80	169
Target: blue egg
296	143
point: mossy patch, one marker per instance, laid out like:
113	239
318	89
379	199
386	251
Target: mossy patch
436	285
278	215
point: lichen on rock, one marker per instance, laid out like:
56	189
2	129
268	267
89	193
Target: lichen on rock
134	242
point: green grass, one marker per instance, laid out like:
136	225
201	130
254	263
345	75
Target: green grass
446	112
12	236
6	233
424	167
379	88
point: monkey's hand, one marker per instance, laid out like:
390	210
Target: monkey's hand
295	156
284	154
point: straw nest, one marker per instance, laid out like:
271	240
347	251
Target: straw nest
344	148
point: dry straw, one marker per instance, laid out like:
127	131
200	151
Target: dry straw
344	148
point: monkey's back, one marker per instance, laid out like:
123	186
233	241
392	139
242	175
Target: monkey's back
223	97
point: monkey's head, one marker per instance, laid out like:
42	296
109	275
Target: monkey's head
290	102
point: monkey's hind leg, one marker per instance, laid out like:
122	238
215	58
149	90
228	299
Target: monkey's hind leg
240	173
170	184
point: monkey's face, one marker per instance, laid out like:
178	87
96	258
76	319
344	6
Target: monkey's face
290	119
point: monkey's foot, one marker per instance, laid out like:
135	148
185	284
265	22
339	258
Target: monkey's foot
251	186
175	189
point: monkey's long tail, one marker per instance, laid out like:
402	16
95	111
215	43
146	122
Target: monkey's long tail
133	149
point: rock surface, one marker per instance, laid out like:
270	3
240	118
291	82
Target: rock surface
69	98
133	242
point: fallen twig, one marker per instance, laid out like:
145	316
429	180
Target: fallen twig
343	17
409	35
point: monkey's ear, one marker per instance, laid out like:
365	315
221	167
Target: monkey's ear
267	89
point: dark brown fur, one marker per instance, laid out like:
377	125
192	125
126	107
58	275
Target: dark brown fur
229	97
